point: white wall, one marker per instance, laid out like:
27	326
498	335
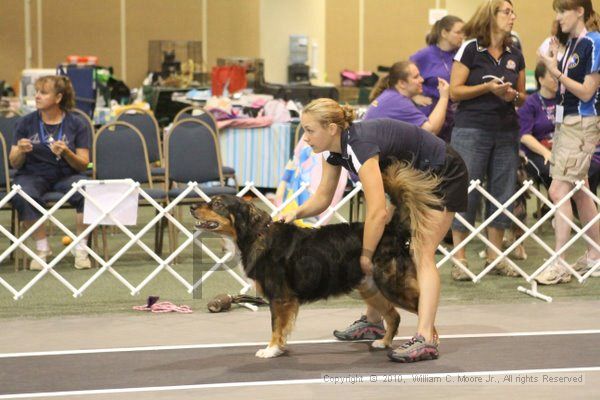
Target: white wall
281	18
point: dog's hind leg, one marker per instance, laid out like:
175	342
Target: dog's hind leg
283	316
374	298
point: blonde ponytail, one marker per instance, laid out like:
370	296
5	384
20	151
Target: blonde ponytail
328	111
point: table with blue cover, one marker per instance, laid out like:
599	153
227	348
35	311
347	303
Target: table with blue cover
258	155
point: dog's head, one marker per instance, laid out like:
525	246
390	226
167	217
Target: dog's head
230	216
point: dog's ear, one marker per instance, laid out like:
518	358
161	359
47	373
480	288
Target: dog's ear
254	215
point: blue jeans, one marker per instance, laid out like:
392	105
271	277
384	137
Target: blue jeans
36	187
491	156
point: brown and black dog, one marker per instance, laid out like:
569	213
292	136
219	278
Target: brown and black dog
293	265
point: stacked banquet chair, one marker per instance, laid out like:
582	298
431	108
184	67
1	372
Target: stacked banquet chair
150	130
192	155
207	117
120	152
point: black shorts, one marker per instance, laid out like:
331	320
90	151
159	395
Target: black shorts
454	185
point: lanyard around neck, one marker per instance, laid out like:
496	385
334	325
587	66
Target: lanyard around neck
567	58
549	114
44	136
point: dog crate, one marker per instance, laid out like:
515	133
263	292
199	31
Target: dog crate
168	57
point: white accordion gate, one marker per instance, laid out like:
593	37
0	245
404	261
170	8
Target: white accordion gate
222	262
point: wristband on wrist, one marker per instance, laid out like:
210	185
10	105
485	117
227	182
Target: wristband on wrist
516	97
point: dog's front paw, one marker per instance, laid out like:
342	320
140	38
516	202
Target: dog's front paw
269	352
379	344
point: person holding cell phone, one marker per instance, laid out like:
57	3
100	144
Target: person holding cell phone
488	79
50	150
578	75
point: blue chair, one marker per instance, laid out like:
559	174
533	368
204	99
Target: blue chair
90	131
207	117
5	185
192	155
120	153
8	127
148	127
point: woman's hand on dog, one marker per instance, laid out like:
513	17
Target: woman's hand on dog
366	265
288	217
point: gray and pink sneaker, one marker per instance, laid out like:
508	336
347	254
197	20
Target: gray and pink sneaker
416	349
361	330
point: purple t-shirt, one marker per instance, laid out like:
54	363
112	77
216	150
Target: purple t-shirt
536	117
391	104
434	63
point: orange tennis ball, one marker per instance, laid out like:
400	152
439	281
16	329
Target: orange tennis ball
66	240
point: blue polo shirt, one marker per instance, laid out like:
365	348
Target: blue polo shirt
391	140
488	111
41	161
583	59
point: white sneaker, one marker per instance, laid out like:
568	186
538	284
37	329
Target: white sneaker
554	274
82	261
43	254
584	264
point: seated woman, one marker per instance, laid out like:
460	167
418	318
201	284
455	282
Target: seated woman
536	119
49	151
391	98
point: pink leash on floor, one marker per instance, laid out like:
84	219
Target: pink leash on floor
155	306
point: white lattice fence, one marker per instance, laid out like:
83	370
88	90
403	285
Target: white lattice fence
528	232
222	262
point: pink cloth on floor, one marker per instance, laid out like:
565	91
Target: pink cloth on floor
163	307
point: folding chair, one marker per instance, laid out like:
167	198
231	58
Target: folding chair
119	153
207	117
193	156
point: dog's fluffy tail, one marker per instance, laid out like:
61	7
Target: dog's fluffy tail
412	192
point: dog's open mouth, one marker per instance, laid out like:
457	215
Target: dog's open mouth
207	225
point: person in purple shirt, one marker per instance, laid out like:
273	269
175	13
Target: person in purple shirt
536	120
435	61
391	98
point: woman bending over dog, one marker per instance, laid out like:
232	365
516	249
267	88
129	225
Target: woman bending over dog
366	148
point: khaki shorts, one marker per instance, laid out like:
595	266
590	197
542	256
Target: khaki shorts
574	145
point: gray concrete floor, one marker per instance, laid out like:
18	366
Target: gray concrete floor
139	329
